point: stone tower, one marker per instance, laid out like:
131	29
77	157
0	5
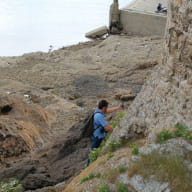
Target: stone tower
114	17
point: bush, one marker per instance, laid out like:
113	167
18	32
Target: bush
89	177
103	188
10	186
121	187
187	135
165	135
166	168
134	149
180	131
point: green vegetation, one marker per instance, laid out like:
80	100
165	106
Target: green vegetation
117	120
114	145
166	168
103	188
111	146
134	149
165	135
110	155
10	186
95	154
89	177
121	187
180	131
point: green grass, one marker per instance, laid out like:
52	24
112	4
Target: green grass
121	187
103	188
114	145
165	135
180	131
110	155
94	154
89	177
10	186
165	168
134	149
118	118
111	147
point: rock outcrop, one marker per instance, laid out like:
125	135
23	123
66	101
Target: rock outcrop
22	126
166	99
52	164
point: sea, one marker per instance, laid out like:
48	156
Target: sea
35	25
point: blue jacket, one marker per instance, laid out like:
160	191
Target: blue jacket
99	124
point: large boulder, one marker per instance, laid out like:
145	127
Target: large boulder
97	33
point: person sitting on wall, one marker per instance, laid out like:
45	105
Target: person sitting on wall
161	9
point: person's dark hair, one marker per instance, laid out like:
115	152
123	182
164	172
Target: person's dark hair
103	103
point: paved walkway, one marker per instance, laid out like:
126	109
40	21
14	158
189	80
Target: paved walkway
146	5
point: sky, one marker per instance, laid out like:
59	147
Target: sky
34	25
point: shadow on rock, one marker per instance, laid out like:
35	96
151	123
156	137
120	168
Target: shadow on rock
53	164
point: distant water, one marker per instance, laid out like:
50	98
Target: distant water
34	25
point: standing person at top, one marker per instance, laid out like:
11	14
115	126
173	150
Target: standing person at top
100	125
159	7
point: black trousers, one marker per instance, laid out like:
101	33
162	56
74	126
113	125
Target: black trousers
95	142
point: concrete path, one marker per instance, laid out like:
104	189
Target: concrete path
146	5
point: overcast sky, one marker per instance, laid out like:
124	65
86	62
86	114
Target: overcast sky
33	25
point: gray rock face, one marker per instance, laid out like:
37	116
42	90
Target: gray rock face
140	185
166	97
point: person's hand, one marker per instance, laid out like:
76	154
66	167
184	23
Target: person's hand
121	106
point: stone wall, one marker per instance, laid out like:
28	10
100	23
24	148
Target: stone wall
166	98
141	23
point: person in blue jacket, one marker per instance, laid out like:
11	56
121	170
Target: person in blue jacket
100	125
